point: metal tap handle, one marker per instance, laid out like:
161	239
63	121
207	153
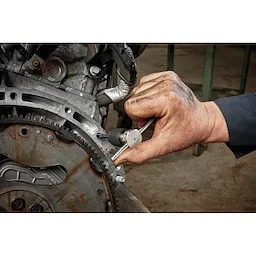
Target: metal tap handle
125	146
145	126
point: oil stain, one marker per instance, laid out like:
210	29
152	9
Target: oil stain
188	190
76	167
82	196
235	170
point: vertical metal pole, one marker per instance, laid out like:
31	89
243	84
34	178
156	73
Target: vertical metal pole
247	55
208	72
170	57
198	149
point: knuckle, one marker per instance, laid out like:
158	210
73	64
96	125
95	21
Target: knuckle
166	86
133	91
172	76
167	83
127	105
142	79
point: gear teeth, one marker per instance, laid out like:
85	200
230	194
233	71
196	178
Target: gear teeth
44	122
62	129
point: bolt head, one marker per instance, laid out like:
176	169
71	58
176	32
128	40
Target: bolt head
120	179
36	208
18	204
118	168
100	192
35	63
50	137
94	70
38	131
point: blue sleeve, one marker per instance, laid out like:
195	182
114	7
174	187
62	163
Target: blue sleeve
240	115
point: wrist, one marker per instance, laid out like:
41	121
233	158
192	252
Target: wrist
217	130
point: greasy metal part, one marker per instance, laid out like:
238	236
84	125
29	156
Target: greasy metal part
44	50
22	51
125	61
36	208
19	200
120	179
38	105
37	94
119	92
78	123
115	136
133	140
12	171
122	56
128	201
137	49
3	55
112	95
18	204
54	69
94	70
120	136
49	117
80	182
125	74
34	64
77	80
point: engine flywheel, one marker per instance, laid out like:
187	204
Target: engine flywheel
52	171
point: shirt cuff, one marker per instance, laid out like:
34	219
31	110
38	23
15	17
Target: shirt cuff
240	115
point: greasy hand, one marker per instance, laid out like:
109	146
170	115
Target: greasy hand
182	120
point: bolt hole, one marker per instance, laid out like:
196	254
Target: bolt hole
13	95
18	204
100	192
67	110
24	131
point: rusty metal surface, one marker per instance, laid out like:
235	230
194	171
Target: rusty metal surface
128	202
44	124
41	147
79	192
31	199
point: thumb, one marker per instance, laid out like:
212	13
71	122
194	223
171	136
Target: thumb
141	152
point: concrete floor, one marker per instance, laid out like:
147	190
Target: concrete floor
181	182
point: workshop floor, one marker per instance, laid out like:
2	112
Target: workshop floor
181	182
